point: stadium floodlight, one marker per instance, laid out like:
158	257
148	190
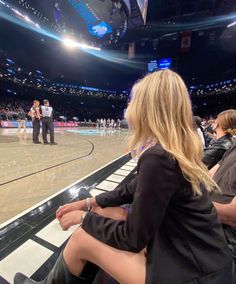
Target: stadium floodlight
74	44
70	43
232	24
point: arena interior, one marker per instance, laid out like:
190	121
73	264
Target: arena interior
67	68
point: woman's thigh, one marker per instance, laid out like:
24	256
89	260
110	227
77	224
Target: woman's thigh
123	266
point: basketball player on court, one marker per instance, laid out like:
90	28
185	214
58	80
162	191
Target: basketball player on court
47	123
35	115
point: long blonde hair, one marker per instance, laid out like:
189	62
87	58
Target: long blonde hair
160	112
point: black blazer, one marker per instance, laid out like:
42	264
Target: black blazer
214	153
183	237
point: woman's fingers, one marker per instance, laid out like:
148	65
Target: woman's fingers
70	219
61	211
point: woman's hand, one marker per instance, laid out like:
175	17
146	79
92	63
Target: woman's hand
74	206
70	219
78	205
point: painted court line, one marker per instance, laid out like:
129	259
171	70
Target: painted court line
52	196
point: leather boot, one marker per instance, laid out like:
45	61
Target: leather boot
61	275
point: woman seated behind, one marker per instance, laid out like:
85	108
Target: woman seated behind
225	128
171	234
198	127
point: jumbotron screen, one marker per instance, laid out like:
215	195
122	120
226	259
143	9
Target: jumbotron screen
160	64
143	5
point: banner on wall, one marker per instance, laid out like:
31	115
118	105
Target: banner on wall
66	124
186	42
131	51
14	124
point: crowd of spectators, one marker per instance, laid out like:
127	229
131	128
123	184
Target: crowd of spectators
12	108
218	88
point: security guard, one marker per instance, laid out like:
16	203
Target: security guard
47	123
35	115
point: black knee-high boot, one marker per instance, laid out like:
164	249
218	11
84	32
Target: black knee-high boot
61	275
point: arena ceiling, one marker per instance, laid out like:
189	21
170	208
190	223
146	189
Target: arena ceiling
169	16
96	21
212	47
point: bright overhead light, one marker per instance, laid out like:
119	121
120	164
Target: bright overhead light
70	43
74	44
232	24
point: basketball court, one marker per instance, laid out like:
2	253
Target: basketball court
30	173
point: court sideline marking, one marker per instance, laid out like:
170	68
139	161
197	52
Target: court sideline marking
54	166
52	196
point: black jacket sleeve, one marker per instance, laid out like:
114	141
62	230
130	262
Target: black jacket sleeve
212	155
121	195
156	182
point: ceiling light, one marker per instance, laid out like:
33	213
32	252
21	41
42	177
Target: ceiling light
232	24
70	43
74	44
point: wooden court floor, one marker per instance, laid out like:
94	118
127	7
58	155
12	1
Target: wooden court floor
30	173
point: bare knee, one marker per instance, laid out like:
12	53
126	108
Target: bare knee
79	242
77	236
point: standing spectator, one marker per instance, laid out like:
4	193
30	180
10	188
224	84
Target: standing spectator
118	123
101	123
112	123
104	123
108	122
98	123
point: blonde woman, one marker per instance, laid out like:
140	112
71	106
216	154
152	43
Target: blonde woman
225	128
171	234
